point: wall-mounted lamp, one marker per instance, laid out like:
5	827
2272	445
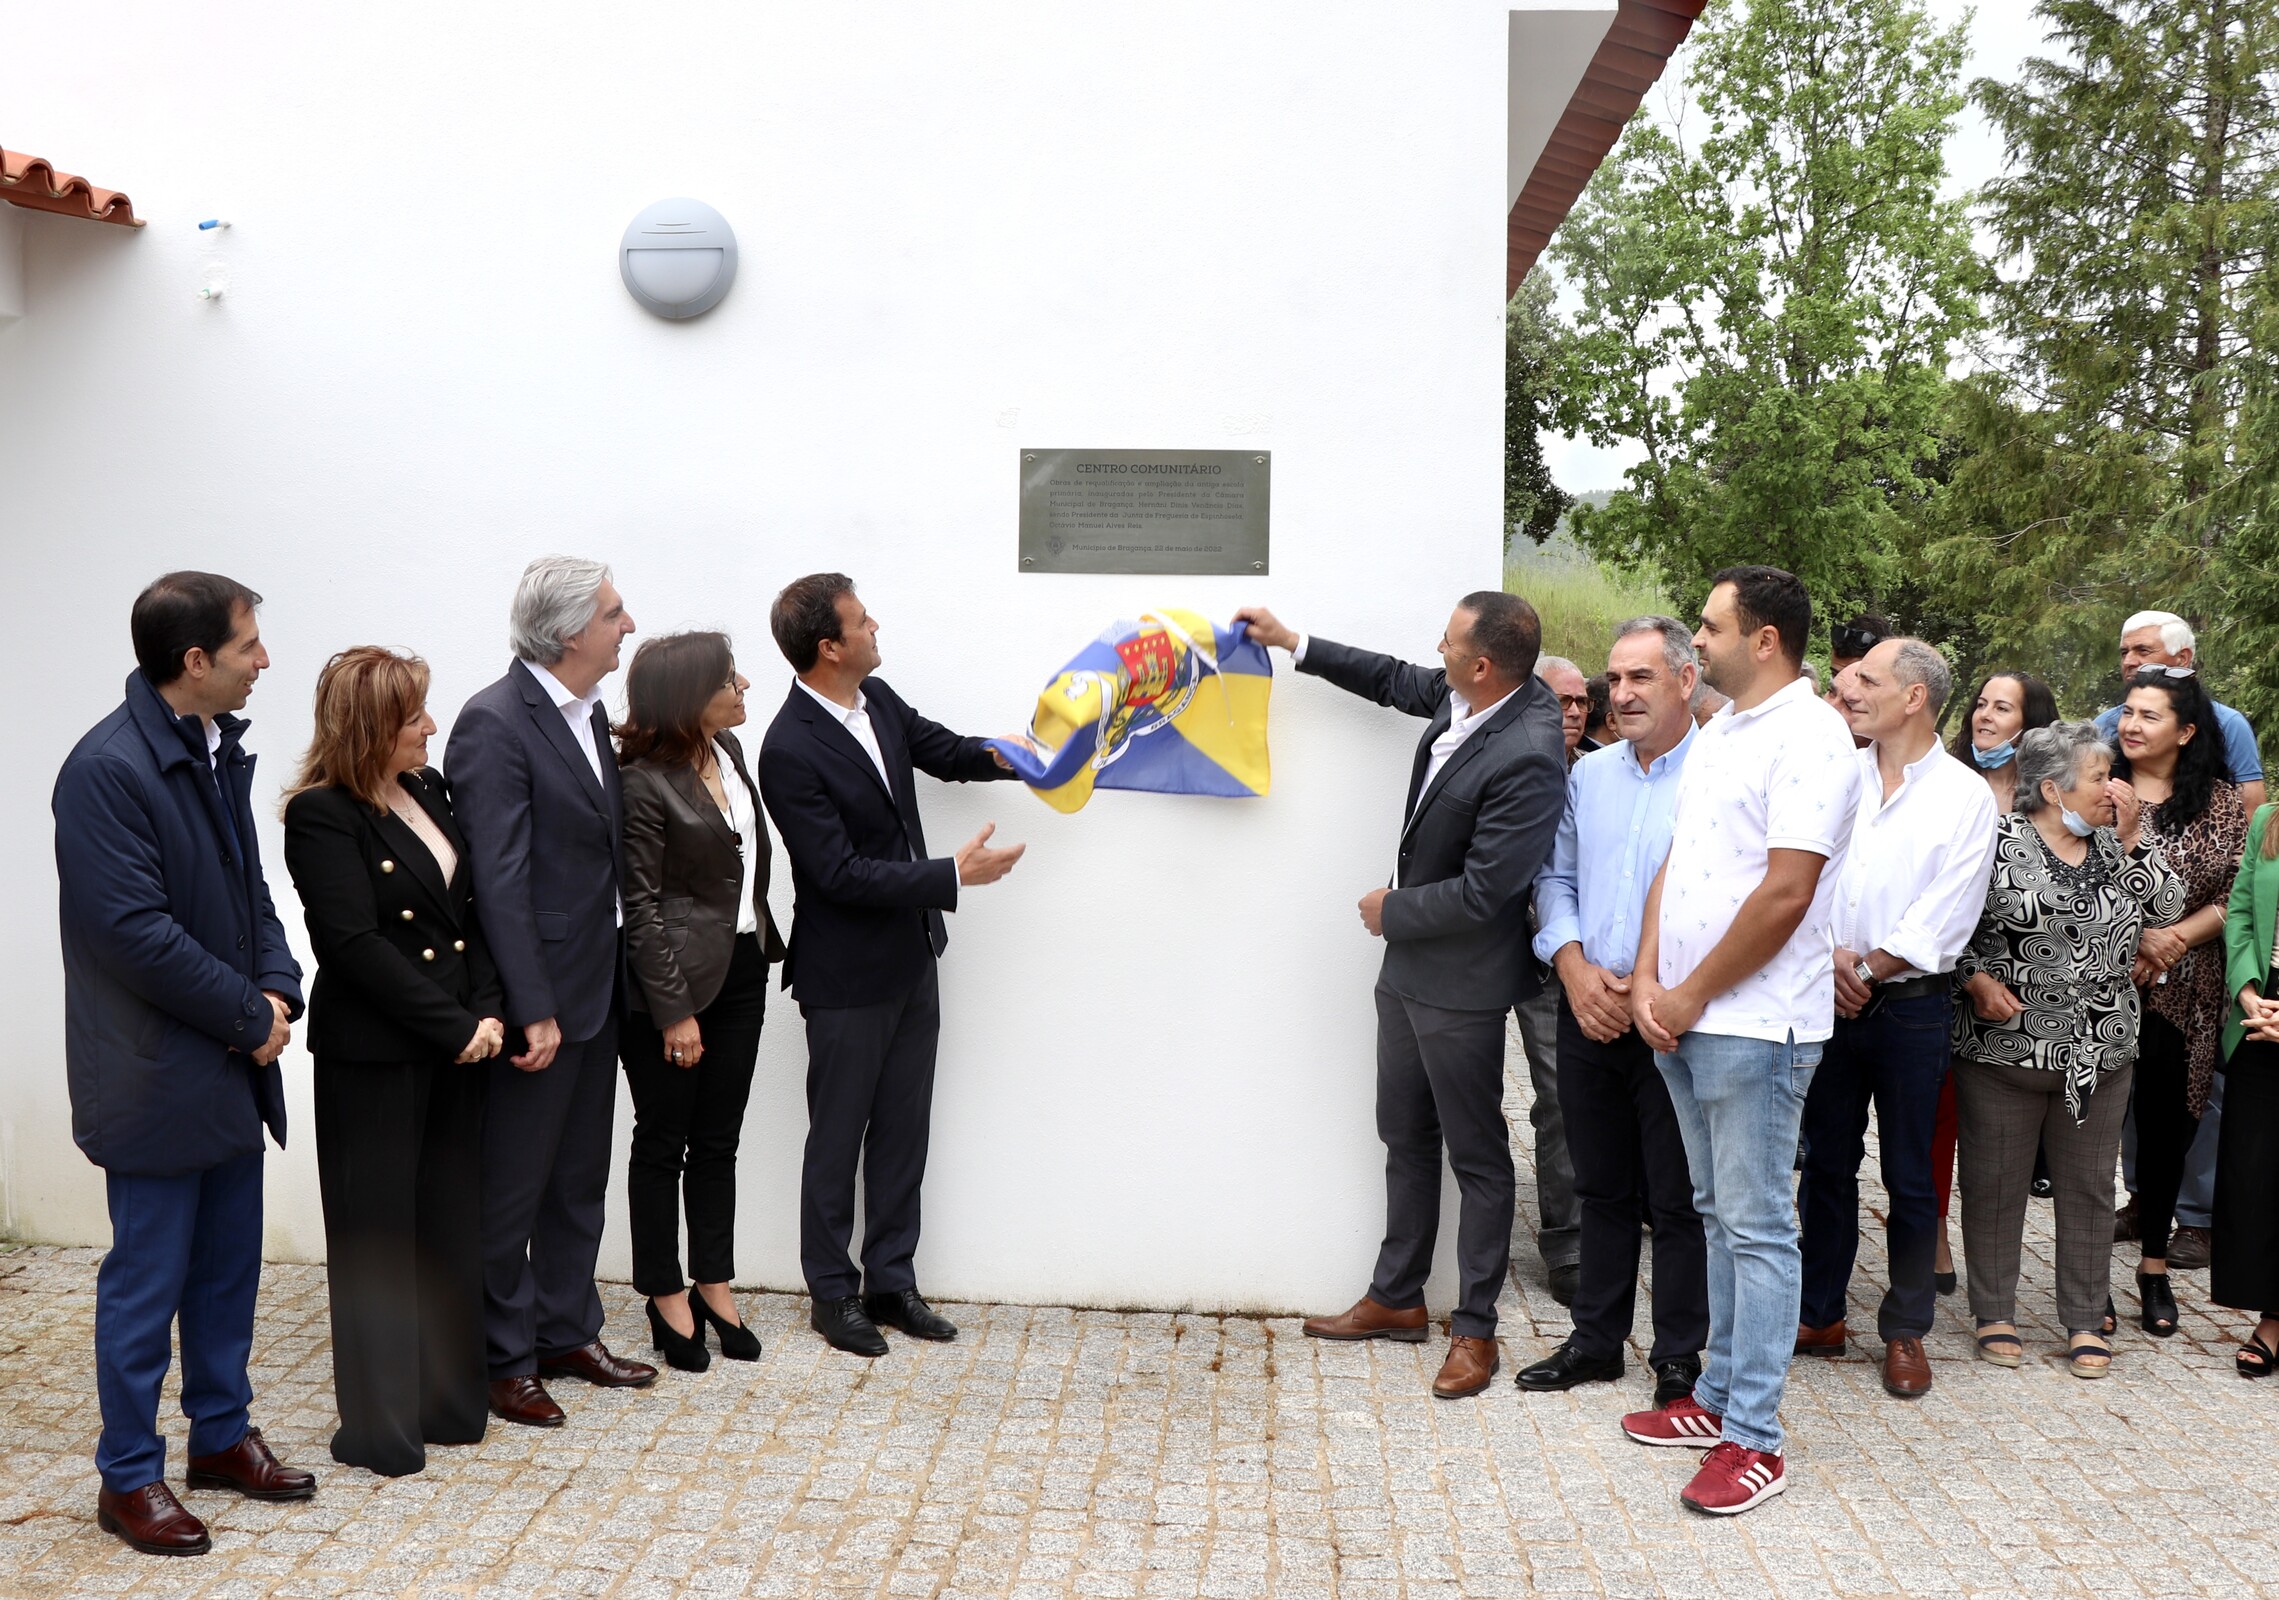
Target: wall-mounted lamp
678	258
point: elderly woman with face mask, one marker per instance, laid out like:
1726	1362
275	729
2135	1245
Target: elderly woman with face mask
2046	1041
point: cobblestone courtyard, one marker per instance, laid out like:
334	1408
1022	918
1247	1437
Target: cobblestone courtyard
1055	1452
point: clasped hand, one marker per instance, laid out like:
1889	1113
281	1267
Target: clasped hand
488	1040
1599	999
2260	1015
280	1029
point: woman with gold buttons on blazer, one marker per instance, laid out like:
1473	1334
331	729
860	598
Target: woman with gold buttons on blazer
698	939
406	1001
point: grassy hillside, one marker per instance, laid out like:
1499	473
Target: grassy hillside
1579	600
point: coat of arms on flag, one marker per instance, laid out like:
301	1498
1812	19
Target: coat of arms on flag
1167	702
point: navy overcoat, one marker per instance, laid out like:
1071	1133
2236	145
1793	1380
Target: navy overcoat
169	939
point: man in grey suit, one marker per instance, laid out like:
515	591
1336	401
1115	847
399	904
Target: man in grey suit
535	786
1484	800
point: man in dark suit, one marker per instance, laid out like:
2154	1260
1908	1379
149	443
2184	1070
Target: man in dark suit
1484	800
867	928
178	989
534	785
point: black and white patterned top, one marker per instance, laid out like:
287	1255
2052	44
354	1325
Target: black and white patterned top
2062	938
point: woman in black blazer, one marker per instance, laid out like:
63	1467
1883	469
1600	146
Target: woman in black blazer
406	1001
699	939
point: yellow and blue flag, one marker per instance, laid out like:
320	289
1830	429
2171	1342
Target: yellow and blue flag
1168	703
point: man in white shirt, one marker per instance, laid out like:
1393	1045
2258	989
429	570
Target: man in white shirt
1907	902
535	787
1733	990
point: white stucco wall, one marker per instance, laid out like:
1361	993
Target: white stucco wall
965	229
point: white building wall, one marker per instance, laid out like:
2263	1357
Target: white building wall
965	229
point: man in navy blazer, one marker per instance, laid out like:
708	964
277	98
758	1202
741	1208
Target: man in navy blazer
867	928
534	786
178	990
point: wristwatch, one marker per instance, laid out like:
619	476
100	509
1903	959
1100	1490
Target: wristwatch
1865	973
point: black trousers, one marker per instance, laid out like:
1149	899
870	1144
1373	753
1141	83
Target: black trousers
870	1099
1440	1081
1894	1059
2165	1127
1630	1164
546	1142
2244	1270
686	1125
399	1165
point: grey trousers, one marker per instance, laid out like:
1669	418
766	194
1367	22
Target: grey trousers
2002	1111
1561	1241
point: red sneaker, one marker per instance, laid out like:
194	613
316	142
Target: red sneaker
1682	1422
1733	1478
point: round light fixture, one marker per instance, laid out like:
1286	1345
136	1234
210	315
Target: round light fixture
678	258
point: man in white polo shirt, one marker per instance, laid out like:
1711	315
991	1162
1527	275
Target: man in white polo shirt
1734	989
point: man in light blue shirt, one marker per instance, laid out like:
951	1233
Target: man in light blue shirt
1622	1133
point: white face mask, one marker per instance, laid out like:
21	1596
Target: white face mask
2076	824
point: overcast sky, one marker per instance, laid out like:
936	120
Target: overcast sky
2002	34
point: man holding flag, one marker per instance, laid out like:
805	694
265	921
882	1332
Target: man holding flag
1485	795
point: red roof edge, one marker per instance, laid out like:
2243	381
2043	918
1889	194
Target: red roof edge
31	181
1645	33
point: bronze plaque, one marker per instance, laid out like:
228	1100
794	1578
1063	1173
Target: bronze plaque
1145	511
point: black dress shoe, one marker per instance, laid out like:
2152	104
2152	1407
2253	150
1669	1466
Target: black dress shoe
1565	1280
684	1352
1565	1368
737	1342
903	1309
844	1327
1674	1378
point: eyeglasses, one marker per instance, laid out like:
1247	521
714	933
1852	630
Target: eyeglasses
1574	702
1852	643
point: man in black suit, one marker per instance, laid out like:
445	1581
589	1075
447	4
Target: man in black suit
534	785
1484	800
867	928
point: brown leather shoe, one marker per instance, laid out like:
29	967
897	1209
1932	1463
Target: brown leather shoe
1828	1341
526	1401
249	1468
1906	1370
1471	1363
1368	1320
2189	1249
597	1366
151	1520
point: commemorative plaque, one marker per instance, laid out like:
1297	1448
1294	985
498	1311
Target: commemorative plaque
1144	511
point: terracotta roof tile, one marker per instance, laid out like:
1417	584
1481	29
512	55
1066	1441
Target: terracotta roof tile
30	181
1629	61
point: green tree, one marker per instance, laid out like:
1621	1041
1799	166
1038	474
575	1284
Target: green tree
1533	504
1769	310
2119	449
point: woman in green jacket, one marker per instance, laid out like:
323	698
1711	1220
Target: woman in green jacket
2244	1273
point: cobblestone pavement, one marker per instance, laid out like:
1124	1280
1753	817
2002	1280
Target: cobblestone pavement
1055	1452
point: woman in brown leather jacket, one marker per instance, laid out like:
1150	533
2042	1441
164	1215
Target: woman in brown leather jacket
699	939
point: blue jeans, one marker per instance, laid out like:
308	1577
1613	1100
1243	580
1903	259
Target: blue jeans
1739	1104
187	1246
1897	1058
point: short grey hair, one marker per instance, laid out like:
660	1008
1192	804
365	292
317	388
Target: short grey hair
2176	635
1917	662
1546	665
2054	754
1677	640
553	604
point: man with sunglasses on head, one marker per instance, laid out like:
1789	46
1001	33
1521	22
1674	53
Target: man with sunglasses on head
2164	639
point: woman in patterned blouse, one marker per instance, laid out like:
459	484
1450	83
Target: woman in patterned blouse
2046	1045
2172	756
